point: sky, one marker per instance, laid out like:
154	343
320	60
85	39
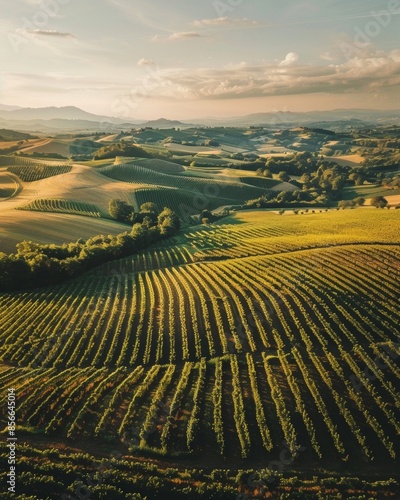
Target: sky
183	59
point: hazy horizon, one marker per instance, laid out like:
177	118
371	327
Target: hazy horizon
192	60
208	117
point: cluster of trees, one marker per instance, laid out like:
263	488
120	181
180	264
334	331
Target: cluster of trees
207	217
357	202
149	216
287	199
388	143
120	149
382	159
35	154
40	265
186	142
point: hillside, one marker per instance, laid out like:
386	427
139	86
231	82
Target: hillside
203	360
252	336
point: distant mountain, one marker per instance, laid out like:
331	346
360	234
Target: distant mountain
71	118
164	123
5	107
369	116
54	119
12	135
60	125
54	113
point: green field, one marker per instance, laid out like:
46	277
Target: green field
368	192
223	344
186	194
62	206
32	171
253	356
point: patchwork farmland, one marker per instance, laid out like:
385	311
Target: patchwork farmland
267	326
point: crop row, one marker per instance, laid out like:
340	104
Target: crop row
165	407
62	206
31	171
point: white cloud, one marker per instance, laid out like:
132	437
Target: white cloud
182	35
226	21
145	62
327	56
360	74
290	58
54	33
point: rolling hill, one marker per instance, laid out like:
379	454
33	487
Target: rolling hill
218	324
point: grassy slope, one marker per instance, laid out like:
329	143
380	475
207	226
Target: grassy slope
368	191
82	185
50	228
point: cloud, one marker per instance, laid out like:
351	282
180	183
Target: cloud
145	62
54	33
290	58
360	74
327	56
226	21
182	35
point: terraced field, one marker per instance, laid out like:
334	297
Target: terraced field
33	171
184	350
187	195
138	174
62	206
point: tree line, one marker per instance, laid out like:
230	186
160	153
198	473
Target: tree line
36	265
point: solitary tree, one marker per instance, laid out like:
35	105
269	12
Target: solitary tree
359	201
379	202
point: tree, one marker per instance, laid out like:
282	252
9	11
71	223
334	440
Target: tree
149	207
121	211
379	201
358	179
359	201
211	142
149	222
206	214
284	197
120	149
168	222
267	173
284	176
346	204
